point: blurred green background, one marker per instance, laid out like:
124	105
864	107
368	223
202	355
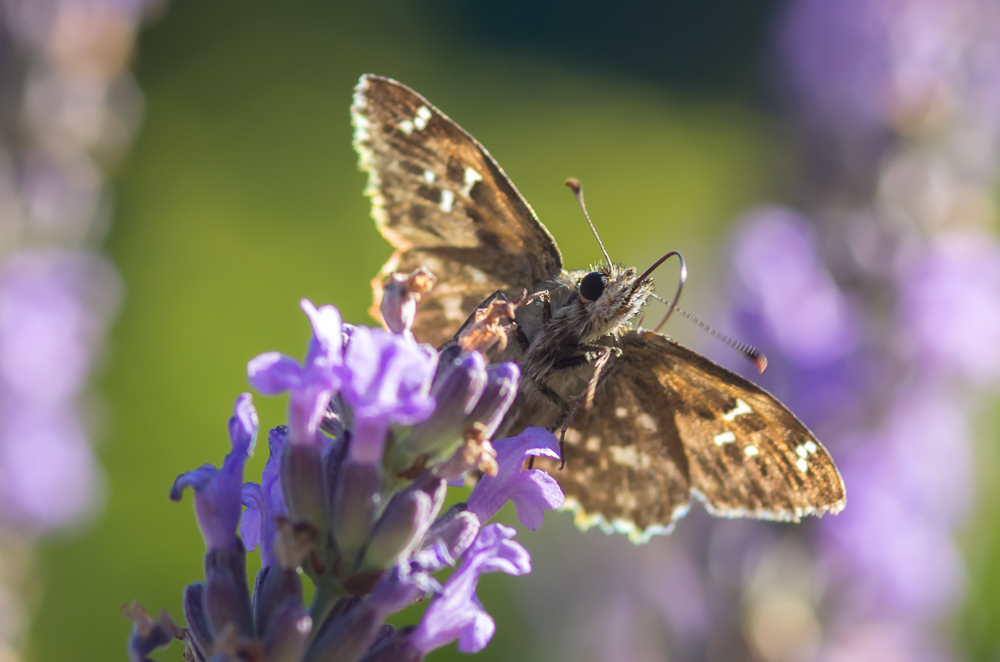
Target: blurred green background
242	195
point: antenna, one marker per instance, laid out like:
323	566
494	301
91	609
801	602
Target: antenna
748	350
577	187
680	284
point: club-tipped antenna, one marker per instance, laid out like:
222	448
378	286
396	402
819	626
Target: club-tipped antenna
577	188
748	350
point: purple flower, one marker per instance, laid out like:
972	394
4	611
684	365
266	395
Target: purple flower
457	613
533	491
865	63
312	383
498	396
264	502
53	309
387	380
457	389
48	474
783	280
910	483
949	305
217	491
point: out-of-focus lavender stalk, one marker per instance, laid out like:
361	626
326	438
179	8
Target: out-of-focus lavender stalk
878	306
880	309
68	111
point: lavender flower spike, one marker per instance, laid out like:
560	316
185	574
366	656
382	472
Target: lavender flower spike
312	383
457	613
533	491
217	491
387	379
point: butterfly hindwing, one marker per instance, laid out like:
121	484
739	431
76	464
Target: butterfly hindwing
443	203
665	412
626	467
749	455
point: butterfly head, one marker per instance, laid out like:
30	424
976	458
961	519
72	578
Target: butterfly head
609	297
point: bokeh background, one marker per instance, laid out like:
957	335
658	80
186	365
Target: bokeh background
827	168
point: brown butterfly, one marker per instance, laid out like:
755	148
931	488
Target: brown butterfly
658	422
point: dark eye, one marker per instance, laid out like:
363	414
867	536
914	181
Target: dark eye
592	286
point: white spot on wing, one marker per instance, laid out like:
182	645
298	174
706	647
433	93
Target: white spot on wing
740	409
801	451
646	422
423	116
447	201
406	126
811	446
471	177
429	176
802	465
750	451
630	457
724	438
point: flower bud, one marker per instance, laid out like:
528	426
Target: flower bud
333	458
148	634
227	599
400	296
287	633
348	637
302	484
356	500
456	529
457	389
501	389
405	521
394	648
274	586
197	619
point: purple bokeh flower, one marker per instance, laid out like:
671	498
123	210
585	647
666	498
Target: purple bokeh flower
312	383
53	311
533	491
457	613
948	305
218	491
782	280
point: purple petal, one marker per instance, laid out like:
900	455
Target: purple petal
533	491
218	491
250	521
196	479
456	613
477	633
273	373
387	380
243	426
326	345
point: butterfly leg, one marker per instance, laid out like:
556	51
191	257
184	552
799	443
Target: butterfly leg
546	300
499	294
586	399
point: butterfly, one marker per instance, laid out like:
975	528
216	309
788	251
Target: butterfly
660	423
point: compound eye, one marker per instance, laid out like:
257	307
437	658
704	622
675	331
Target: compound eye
592	286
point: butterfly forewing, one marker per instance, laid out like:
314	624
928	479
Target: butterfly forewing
743	453
443	203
